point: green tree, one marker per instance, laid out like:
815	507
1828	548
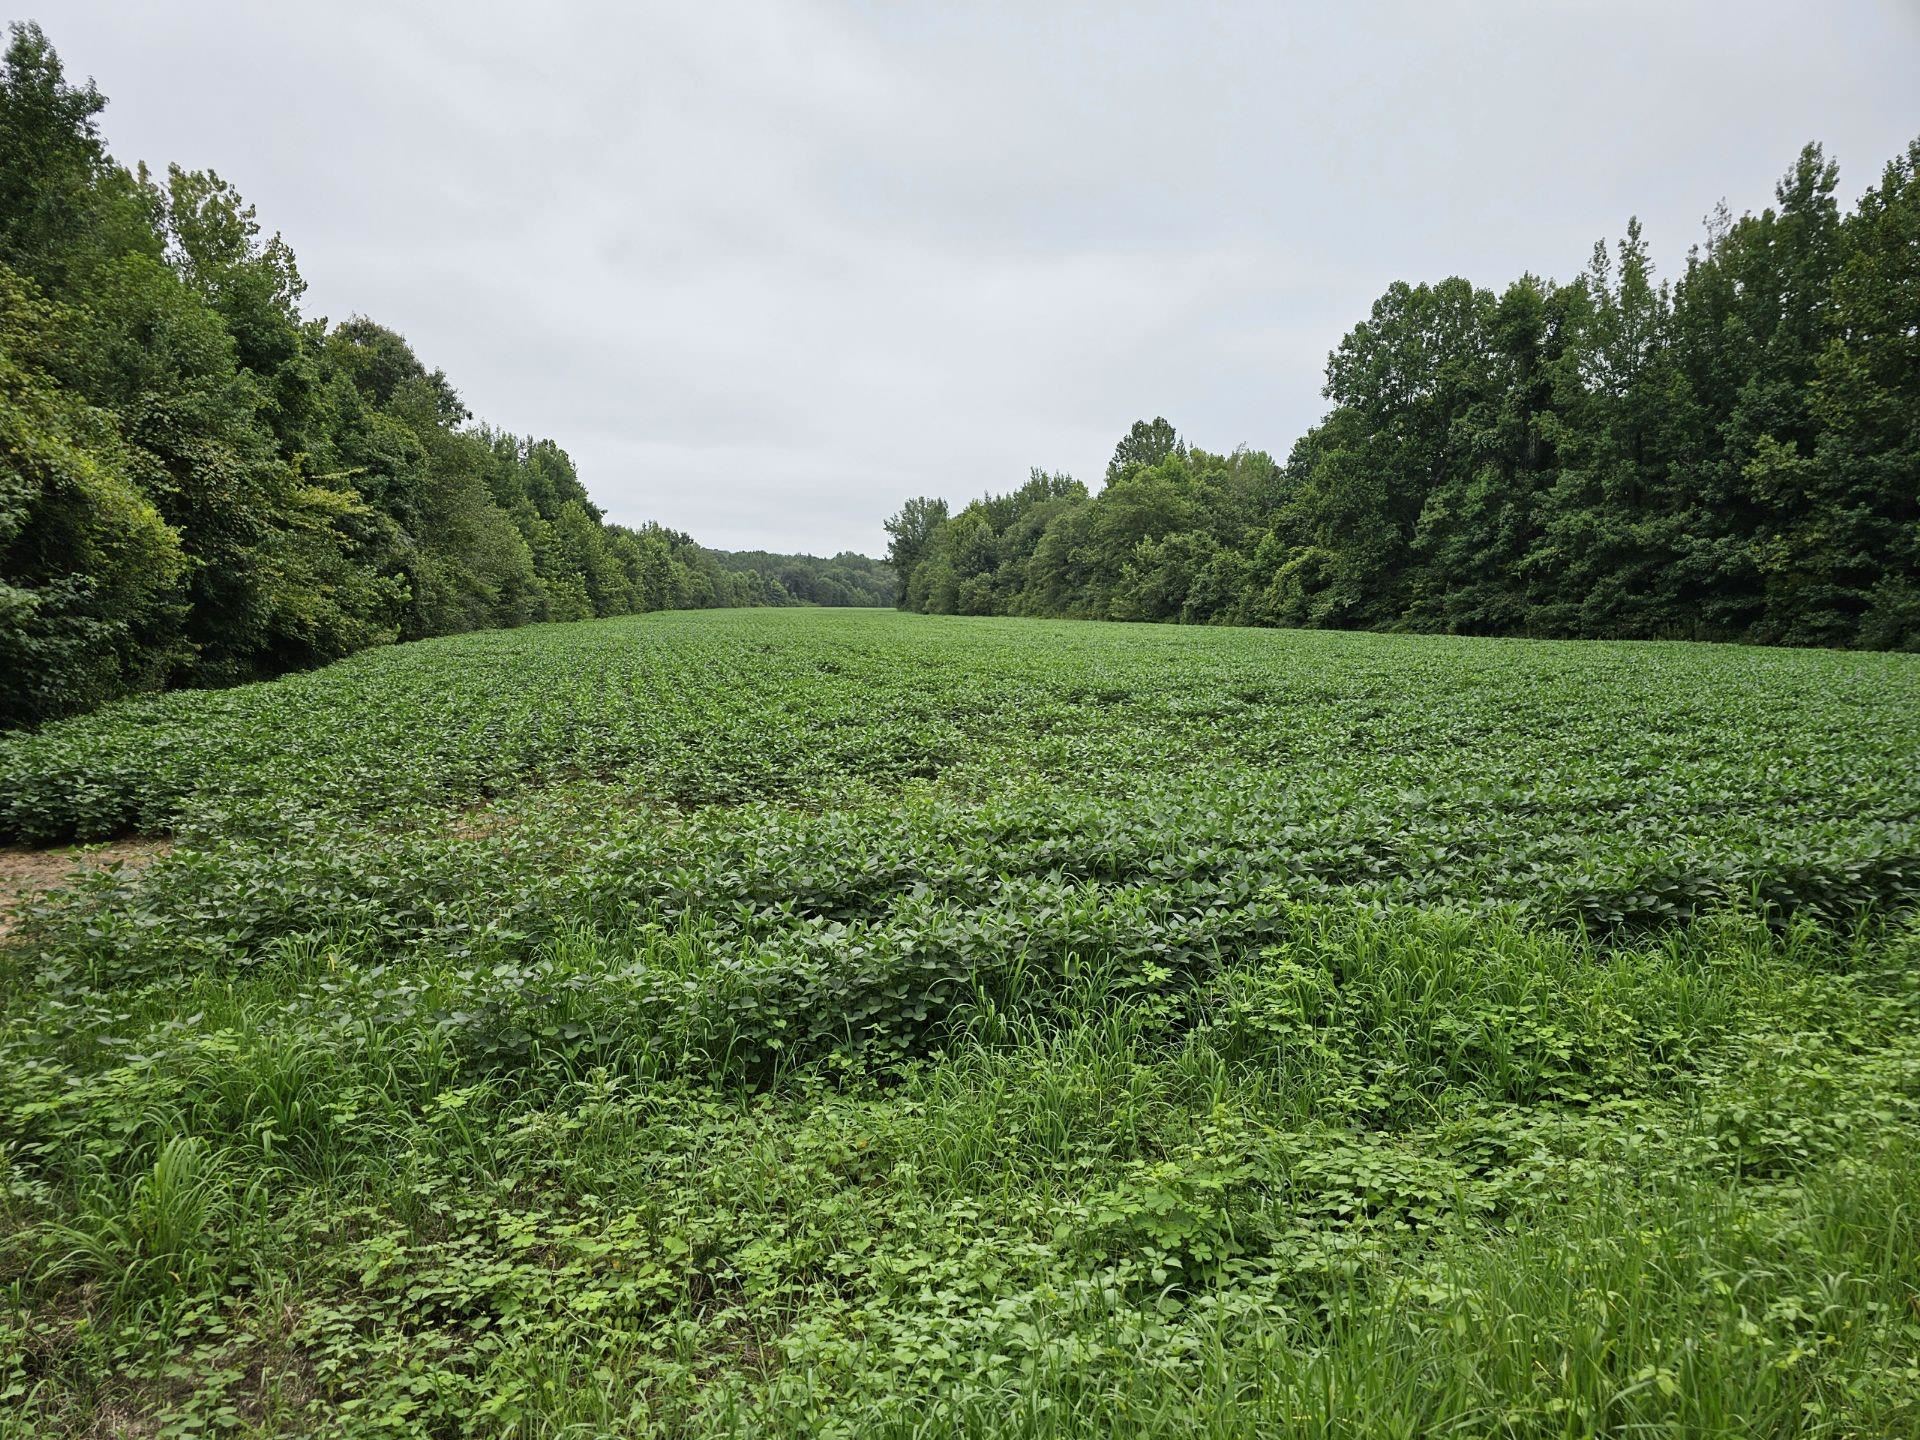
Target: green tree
1146	443
52	163
910	531
90	597
1859	542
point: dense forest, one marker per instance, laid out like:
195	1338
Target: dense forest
1733	455
202	485
845	579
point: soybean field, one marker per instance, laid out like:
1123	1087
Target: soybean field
851	1023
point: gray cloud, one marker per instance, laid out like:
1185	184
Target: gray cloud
767	268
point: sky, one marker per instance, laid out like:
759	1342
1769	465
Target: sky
765	270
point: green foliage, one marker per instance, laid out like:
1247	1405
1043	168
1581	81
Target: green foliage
200	486
909	532
88	568
1728	457
1147	444
52	161
845	579
792	1022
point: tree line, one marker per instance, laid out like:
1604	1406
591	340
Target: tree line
199	484
845	579
1733	455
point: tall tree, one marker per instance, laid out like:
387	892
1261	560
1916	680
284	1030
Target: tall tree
909	531
202	485
1736	457
1147	443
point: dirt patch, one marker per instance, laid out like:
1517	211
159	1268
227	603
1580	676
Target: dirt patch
27	873
480	822
120	1422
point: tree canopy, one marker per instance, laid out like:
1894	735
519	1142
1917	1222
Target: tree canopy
1731	455
200	484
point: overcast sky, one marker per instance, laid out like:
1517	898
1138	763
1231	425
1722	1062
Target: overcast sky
766	269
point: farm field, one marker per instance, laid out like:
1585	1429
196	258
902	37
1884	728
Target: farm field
853	1023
